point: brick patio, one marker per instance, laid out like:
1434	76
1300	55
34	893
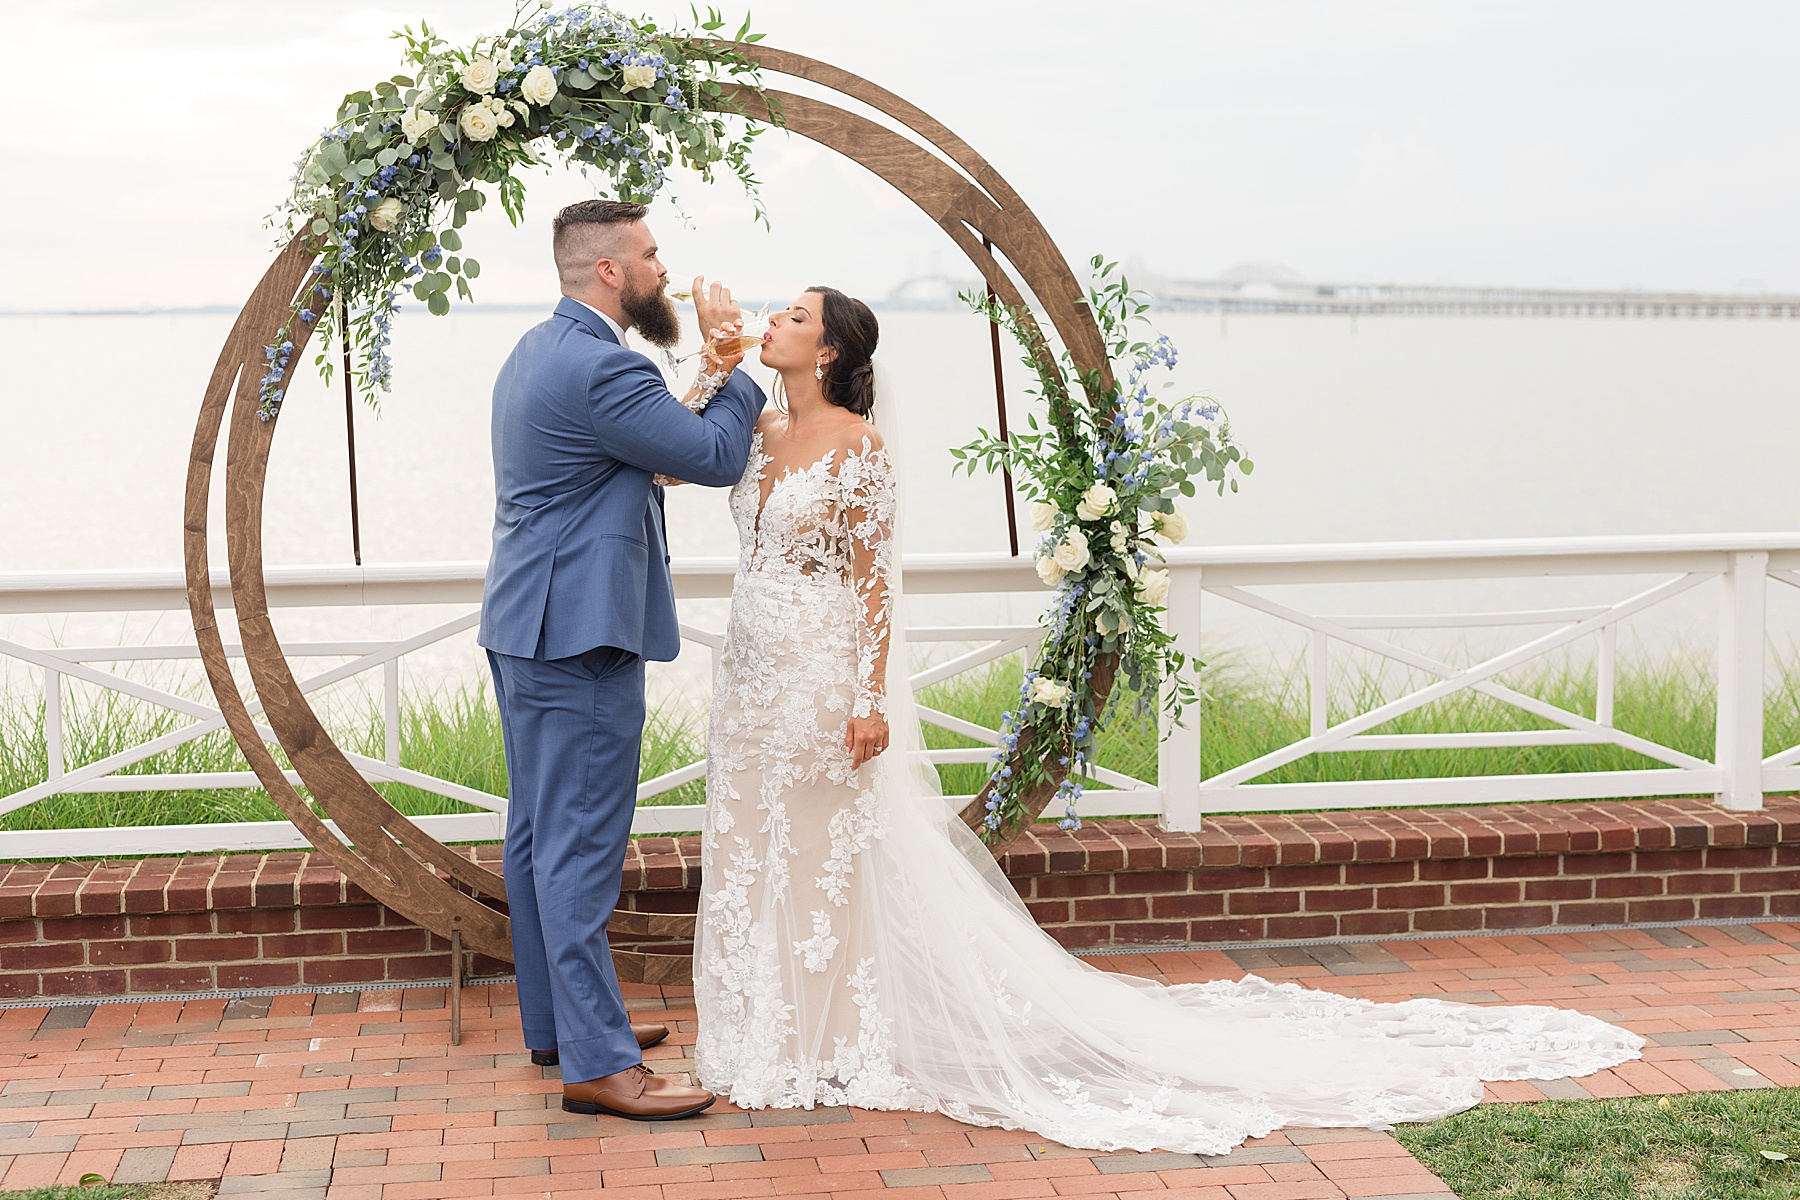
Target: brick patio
359	1096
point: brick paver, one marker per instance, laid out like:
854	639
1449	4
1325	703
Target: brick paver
360	1096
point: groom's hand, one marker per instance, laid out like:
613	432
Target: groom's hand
714	305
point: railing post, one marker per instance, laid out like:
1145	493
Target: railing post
1178	757
1607	683
54	751
1742	599
390	710
1318	680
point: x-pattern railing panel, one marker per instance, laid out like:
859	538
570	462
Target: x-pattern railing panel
1228	788
102	774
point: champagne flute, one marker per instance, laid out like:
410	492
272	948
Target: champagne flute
751	336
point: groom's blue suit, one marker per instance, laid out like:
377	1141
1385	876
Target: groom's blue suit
578	595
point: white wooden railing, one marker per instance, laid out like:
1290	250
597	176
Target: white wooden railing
1640	572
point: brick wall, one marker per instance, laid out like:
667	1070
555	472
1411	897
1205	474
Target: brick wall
268	920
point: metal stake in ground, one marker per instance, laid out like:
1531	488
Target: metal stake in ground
1012	521
350	433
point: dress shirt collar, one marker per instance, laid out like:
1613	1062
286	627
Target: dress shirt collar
618	331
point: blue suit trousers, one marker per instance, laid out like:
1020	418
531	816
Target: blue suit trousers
573	729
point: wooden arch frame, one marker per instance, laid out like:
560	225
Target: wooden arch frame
383	852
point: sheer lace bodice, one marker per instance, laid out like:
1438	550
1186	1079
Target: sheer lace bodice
828	525
858	945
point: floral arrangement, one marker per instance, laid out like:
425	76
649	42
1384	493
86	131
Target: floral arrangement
386	188
1103	477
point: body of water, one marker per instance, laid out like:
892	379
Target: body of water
1362	429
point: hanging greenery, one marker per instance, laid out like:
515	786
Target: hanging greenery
1104	476
387	187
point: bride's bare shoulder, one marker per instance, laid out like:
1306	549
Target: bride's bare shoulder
859	437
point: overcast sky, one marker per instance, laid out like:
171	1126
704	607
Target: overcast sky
1576	142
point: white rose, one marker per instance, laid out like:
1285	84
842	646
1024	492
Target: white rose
1171	525
1096	502
386	215
1048	691
505	117
639	76
539	85
480	76
1043	516
1072	553
478	124
1049	571
416	123
1153	587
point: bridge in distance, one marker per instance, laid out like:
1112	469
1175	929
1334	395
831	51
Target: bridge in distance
1271	288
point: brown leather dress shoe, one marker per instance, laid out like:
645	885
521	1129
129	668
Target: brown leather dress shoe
646	1035
635	1093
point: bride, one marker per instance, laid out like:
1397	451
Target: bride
857	944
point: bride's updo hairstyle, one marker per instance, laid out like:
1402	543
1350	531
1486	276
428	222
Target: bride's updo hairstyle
847	326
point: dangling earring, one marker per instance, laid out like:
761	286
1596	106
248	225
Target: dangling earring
818	370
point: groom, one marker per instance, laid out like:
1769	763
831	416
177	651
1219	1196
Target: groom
578	596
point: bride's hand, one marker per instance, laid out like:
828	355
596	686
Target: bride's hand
865	737
720	352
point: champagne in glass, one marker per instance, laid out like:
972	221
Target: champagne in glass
739	344
751	333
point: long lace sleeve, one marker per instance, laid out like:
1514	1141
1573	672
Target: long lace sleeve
869	499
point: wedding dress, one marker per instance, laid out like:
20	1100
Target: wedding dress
857	944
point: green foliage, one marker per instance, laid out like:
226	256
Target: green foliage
454	735
386	188
1103	478
117	1191
1247	713
1701	1146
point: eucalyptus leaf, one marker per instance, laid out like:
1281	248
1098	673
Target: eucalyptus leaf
450	240
438	303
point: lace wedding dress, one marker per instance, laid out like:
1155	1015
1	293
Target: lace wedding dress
858	945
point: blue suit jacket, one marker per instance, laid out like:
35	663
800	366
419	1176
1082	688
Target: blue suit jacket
580	426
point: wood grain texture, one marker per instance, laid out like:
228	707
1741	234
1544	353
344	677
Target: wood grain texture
383	852
375	854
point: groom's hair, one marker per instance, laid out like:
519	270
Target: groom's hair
586	232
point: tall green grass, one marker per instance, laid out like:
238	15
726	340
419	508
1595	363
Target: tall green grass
455	735
1248	712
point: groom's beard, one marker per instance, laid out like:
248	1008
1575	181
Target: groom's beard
652	314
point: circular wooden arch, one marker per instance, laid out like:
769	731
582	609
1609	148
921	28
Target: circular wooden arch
381	850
